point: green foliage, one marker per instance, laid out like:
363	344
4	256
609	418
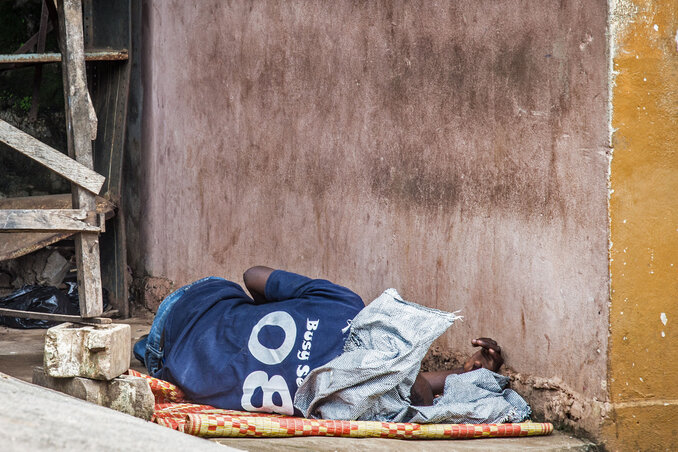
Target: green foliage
10	101
18	21
24	104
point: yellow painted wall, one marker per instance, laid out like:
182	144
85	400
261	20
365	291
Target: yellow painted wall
643	353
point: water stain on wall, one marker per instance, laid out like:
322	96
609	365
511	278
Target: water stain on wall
455	152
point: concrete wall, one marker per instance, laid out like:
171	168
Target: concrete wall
644	226
454	150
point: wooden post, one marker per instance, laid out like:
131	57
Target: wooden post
37	77
79	133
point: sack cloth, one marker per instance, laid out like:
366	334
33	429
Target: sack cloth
372	378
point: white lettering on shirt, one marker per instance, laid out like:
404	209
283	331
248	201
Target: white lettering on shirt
259	379
302	371
265	355
304	354
273	356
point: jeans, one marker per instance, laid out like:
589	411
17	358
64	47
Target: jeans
148	349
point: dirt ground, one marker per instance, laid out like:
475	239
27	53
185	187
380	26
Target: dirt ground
22	350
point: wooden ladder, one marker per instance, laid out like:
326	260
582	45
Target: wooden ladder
77	167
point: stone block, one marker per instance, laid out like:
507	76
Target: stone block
127	394
100	352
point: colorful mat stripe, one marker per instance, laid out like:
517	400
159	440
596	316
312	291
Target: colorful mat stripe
215	425
173	411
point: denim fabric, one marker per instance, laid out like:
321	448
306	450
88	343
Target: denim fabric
150	346
139	349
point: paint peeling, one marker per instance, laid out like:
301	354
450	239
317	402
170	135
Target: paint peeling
663	318
621	14
587	40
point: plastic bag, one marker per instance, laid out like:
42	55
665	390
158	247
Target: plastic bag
47	299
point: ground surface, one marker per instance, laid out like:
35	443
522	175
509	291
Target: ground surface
38	419
555	442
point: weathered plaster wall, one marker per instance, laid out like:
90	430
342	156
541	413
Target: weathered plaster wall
454	150
644	226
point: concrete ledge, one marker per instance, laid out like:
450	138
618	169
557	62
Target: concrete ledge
555	442
127	394
35	418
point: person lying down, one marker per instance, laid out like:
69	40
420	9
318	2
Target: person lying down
309	347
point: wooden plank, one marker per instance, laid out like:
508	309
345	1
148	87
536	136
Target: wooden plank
53	57
79	130
62	201
4	312
45	220
16	244
61	164
53	17
114	271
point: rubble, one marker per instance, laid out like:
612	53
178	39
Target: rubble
55	270
48	266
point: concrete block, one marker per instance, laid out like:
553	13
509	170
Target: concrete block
100	352
127	394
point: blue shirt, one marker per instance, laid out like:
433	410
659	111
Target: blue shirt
223	350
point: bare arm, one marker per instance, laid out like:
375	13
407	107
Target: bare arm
255	280
429	384
436	380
